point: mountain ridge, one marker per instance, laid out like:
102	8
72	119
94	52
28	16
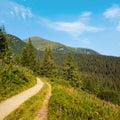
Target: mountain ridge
41	43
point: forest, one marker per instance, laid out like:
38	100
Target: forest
94	74
100	74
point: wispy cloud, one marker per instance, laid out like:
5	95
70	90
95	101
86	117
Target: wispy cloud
74	28
16	10
112	13
20	11
85	41
86	14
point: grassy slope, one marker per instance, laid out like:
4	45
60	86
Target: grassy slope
68	103
30	109
14	79
40	44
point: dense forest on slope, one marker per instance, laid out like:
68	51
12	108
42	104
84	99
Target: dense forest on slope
16	44
99	74
73	77
97	64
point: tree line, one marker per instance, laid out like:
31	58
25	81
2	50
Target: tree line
47	66
99	74
93	73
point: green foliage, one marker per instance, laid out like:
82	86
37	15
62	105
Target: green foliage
48	68
29	110
14	79
91	83
70	70
16	44
110	95
97	72
29	57
4	47
67	103
98	85
40	44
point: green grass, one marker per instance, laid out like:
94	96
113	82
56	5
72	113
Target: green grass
68	103
14	79
29	109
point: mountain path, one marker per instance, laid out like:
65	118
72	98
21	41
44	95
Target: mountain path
9	105
42	115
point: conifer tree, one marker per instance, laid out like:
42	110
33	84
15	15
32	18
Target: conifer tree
48	68
28	57
70	70
5	52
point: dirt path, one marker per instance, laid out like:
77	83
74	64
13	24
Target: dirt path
9	105
42	115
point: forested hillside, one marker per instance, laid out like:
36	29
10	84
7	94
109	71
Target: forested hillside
13	77
74	77
99	74
16	44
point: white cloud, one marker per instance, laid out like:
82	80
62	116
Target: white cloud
12	13
85	41
86	14
15	10
112	13
74	28
21	11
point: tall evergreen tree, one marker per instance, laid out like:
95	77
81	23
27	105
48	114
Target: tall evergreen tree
48	66
28	57
5	52
70	70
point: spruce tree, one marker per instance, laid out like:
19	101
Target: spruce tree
70	70
5	52
28	57
48	68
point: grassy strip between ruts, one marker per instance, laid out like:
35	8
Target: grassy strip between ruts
29	109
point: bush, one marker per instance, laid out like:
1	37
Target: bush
110	95
14	79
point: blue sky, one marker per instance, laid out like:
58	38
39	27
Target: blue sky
91	24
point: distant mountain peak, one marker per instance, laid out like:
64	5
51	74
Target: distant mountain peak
41	43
